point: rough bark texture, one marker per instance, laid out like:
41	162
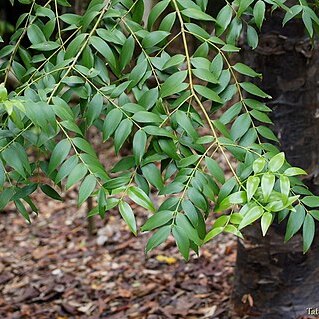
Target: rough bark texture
280	279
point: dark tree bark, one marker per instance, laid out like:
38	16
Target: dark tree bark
282	281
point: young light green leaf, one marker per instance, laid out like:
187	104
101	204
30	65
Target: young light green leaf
293	171
252	185
277	162
259	165
266	221
285	185
252	215
267	185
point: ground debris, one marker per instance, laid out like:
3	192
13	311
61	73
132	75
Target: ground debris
52	269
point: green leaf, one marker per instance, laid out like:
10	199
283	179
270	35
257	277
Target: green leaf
205	75
243	5
185	122
267	133
111	122
139	197
306	18
66	168
153	38
259	13
311	201
174	84
197	14
122	133
48	190
252	37
3	93
59	154
139	145
266	220
104	49
253	89
77	173
128	216
224	18
35	34
127	52
175	60
295	221
22	210
156	11
153	175
86	189
208	93
197	198
293	11
252	185
285	185
94	108
84	145
16	162
308	232
157	220
245	69
213	233
261	116
277	162
2	175
5	196
293	171
235	198
147	117
267	185
215	169
182	241
158	238
183	222
252	215
240	126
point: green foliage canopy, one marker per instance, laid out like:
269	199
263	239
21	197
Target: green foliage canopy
181	111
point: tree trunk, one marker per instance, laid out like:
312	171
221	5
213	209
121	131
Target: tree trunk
281	280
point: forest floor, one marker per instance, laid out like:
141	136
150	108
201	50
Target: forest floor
53	269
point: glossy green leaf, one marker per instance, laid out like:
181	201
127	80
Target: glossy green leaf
128	216
86	189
